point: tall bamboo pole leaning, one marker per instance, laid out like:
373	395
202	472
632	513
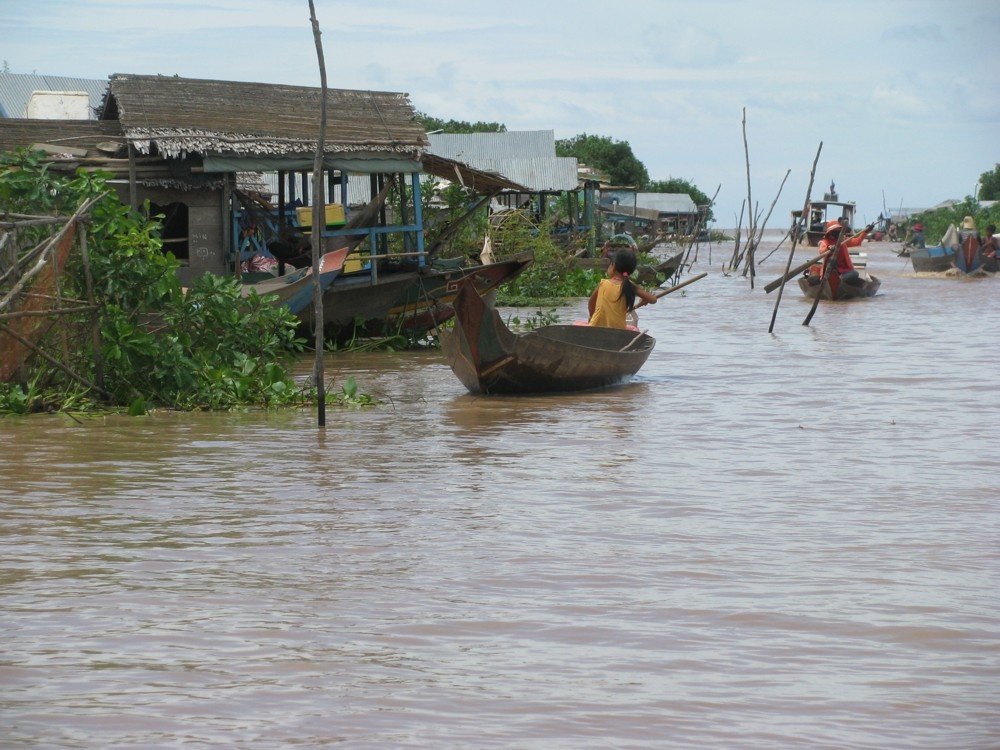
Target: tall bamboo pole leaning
751	228
318	223
795	239
697	227
733	265
760	232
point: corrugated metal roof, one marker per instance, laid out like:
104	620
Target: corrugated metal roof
233	118
479	178
667	203
526	157
16	90
539	174
470	147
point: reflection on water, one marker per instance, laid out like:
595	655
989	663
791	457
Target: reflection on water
764	540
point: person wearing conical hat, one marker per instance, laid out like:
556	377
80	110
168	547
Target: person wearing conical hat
968	258
968	229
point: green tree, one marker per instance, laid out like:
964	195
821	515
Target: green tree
989	184
614	158
206	347
459	126
677	185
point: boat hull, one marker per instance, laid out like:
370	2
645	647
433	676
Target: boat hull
932	259
833	290
404	300
489	358
295	290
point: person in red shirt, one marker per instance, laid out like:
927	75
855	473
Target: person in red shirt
842	255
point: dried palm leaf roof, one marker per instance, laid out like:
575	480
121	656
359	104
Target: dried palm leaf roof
86	134
193	116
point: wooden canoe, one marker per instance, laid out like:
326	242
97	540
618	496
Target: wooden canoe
832	289
295	290
406	300
969	258
490	358
932	259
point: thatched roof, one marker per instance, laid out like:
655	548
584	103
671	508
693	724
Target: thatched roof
192	116
85	134
100	145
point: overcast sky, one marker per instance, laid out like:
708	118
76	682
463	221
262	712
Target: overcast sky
904	94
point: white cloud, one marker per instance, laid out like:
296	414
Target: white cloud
669	78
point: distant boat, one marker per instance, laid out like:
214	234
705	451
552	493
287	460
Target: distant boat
295	290
490	358
818	213
934	259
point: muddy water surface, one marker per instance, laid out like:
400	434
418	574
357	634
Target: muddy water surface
762	541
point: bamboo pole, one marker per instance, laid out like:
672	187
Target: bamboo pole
795	240
46	245
133	199
634	339
46	313
697	227
746	151
318	223
675	287
828	265
739	233
794	272
776	247
760	231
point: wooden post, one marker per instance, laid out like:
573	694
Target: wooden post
227	224
95	318
760	232
794	272
318	224
795	240
404	213
739	233
751	228
133	198
675	287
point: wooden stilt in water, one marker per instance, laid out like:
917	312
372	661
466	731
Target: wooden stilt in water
791	253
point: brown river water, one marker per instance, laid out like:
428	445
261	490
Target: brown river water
784	540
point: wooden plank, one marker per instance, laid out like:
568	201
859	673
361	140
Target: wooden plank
51	148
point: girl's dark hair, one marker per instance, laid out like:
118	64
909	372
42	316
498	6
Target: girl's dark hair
625	263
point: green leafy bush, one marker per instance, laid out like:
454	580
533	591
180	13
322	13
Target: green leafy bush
208	347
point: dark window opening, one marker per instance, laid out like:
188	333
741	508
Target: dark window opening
175	228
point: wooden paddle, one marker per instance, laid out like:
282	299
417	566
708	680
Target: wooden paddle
675	287
637	337
794	272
